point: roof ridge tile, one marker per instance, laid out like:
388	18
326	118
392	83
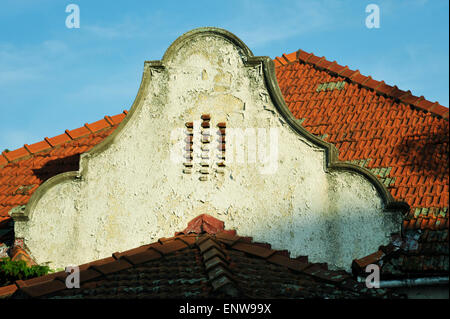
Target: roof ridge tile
43	288
78	132
280	61
38	147
113	266
109	120
291	57
16	154
169	247
216	263
141	257
253	249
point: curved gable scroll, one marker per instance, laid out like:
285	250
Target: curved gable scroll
209	132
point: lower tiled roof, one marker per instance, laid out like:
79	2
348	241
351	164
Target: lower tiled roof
199	265
33	164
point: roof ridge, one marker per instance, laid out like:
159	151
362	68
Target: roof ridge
68	135
355	76
217	266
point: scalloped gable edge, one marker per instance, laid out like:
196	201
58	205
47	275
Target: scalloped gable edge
354	76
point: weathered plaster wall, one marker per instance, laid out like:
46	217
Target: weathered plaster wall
131	193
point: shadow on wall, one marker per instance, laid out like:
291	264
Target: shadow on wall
427	153
48	170
321	241
57	166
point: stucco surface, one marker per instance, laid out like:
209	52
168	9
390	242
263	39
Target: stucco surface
133	192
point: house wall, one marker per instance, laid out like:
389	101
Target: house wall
132	192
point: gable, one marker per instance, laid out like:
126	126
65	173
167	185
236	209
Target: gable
134	184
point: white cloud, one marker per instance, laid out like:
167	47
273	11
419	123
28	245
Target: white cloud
126	29
106	32
260	23
107	90
30	62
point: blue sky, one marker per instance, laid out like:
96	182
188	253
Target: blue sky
53	78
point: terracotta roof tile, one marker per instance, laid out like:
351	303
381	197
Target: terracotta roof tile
253	250
142	257
111	267
89	274
81	131
169	247
281	260
13	155
204	223
37	147
291	57
99	262
277	63
43	288
98	125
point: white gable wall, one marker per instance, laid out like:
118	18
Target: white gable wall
131	193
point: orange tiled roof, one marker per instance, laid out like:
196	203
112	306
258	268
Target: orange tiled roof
24	169
401	138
